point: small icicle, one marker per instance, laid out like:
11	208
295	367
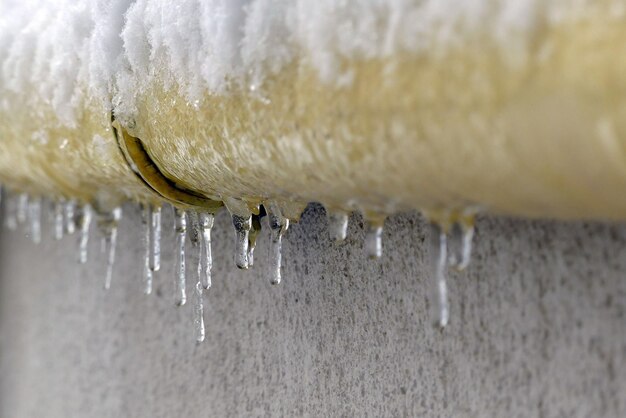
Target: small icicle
10	217
181	234
147	228
155	238
242	225
460	242
34	216
59	212
374	240
255	230
22	208
84	222
193	223
198	319
70	216
108	223
278	225
206	223
438	256
337	225
467	228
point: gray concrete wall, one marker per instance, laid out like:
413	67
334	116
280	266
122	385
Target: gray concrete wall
538	328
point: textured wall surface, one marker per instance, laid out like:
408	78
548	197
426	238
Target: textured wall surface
538	328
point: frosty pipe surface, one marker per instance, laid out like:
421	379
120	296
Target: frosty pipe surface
536	130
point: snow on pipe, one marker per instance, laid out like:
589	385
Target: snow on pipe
505	106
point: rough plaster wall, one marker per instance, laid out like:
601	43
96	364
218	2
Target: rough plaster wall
538	328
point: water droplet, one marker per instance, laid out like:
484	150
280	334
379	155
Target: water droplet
242	225
337	225
374	240
146	222
34	217
108	224
22	208
198	319
206	223
278	225
70	216
438	257
155	238
84	222
180	297
59	209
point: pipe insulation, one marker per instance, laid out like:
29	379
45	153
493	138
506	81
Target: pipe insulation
512	107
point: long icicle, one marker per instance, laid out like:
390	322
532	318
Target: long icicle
109	224
206	224
180	297
199	313
195	262
59	212
278	225
84	223
70	217
22	208
10	217
438	257
155	238
147	232
34	216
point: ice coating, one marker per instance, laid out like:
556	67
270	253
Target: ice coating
103	47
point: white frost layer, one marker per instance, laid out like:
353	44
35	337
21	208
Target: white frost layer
58	50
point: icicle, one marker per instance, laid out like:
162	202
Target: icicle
337	225
181	233
466	253
155	238
278	226
70	216
206	223
438	256
242	225
460	243
195	237
10	217
374	240
22	208
59	209
147	228
108	223
195	263
34	216
199	313
255	230
193	222
467	235
84	222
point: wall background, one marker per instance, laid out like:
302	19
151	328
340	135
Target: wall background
538	327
